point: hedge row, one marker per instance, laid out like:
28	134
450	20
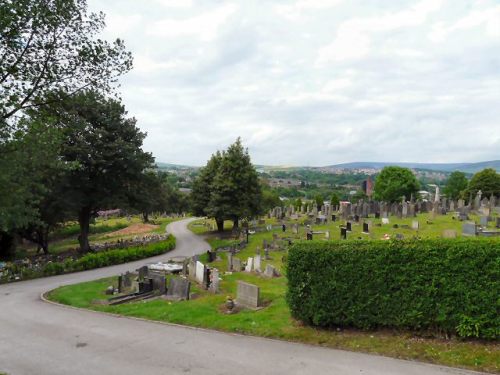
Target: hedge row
441	286
101	259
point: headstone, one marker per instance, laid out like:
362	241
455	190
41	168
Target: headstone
327	234
248	295
334	218
143	272
469	229
415	225
365	228
178	289
385	220
349	226
483	221
399	236
249	266
214	280
159	283
270	271
295	229
200	272
236	264
257	263
343	233
192	269
229	261
449	233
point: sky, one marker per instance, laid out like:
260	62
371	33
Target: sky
312	82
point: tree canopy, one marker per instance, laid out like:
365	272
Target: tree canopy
228	187
456	185
52	45
487	180
394	183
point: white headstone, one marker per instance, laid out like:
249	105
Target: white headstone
385	220
256	263
249	266
200	272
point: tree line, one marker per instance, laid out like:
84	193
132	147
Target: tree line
67	146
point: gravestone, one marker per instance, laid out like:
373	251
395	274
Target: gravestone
399	236
200	272
143	272
249	266
236	264
257	263
469	229
365	228
248	295
270	271
449	233
214	280
343	233
415	225
483	221
334	218
385	220
229	262
178	289
348	226
159	283
192	269
327	234
295	229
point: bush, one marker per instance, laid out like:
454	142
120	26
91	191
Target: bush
439	285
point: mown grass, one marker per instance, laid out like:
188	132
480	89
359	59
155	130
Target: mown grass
275	321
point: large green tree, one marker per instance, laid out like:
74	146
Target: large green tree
487	180
52	45
456	185
394	183
106	147
228	187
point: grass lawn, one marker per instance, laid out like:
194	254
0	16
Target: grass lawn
275	321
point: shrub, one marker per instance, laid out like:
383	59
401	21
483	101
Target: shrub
439	285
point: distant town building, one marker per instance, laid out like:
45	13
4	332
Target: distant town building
367	187
283	182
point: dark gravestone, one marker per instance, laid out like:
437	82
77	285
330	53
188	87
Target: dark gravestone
366	229
283	227
349	226
377	215
146	285
356	218
334	218
309	236
159	283
178	289
399	236
143	272
343	233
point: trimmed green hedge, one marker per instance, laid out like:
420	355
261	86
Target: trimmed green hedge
438	285
98	259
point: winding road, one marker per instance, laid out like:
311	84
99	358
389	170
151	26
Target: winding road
41	338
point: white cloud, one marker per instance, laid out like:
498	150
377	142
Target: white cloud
313	82
204	26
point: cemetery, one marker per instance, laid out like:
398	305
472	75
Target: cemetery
241	284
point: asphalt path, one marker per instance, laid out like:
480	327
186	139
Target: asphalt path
37	337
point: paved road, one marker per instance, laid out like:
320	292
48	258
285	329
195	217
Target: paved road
41	338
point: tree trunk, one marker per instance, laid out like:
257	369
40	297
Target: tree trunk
145	217
235	223
84	221
220	225
42	240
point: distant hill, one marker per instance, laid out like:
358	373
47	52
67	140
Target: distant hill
444	167
440	167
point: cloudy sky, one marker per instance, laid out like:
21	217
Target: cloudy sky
313	82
